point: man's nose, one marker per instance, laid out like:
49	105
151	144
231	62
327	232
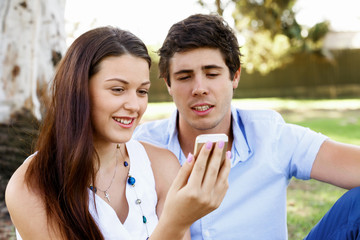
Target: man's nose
200	86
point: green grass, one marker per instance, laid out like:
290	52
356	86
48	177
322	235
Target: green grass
343	129
307	201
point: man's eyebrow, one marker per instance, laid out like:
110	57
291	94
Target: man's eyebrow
184	71
203	68
211	67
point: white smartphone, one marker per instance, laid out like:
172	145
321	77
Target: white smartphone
204	138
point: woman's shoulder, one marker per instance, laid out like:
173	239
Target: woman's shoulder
22	202
17	184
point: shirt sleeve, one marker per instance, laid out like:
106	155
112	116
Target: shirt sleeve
298	147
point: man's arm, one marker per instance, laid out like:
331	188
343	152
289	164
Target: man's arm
338	164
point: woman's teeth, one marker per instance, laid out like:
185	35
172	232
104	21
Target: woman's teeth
123	121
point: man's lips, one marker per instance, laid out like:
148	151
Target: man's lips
202	109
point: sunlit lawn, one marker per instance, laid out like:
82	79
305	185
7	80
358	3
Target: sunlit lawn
307	201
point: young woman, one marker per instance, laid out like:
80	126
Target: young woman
88	179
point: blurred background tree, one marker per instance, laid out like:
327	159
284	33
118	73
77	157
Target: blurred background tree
272	34
32	37
32	42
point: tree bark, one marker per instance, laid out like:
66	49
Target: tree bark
32	37
32	41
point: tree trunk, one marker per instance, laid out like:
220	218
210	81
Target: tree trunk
32	37
219	9
32	40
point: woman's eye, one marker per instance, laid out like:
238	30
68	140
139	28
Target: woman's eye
117	90
143	92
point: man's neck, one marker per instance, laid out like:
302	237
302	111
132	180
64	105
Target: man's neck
187	135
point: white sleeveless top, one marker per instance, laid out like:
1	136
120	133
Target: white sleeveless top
133	227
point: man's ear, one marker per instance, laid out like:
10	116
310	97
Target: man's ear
168	87
236	78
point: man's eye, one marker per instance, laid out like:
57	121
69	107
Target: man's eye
212	74
183	77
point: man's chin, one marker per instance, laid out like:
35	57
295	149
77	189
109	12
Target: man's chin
203	126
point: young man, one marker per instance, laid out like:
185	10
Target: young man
200	62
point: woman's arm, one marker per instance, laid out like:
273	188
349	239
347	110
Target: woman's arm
197	189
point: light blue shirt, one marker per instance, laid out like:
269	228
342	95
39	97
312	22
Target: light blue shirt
266	154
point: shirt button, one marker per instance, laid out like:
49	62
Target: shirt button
207	233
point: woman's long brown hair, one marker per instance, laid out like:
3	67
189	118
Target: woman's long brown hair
64	165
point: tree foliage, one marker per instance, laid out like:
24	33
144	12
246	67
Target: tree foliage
271	32
218	4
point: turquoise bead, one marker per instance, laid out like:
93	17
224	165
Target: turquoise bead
93	189
144	219
131	181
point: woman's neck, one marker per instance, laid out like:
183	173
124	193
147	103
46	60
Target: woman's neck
107	154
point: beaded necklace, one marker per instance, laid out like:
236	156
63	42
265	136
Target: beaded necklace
131	181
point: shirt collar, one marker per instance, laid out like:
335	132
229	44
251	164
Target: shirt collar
174	143
240	149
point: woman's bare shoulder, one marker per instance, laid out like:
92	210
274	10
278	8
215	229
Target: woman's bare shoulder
17	186
24	204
